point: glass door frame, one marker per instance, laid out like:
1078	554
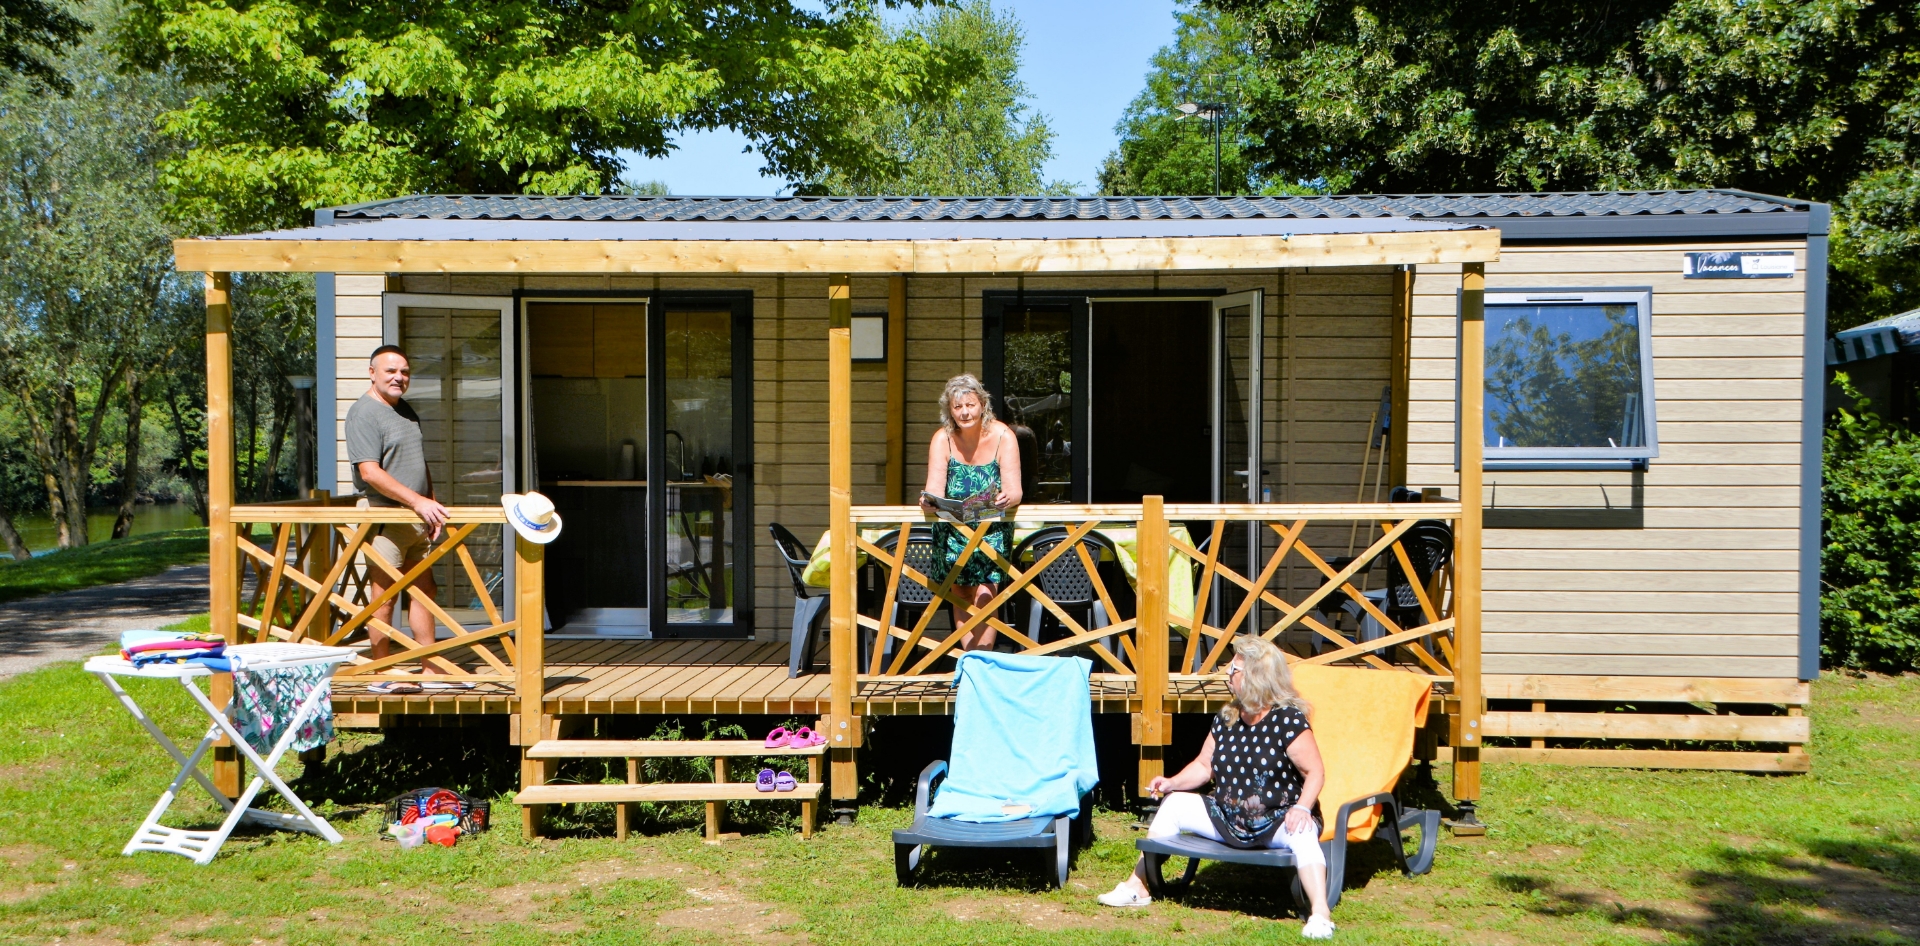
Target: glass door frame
994	304
1253	300
740	304
510	347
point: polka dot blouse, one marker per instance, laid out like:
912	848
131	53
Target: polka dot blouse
1254	782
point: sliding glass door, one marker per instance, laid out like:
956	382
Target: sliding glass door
638	423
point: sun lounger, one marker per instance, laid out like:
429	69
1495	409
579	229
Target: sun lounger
1023	763
1363	721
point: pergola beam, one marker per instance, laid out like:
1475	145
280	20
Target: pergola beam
828	257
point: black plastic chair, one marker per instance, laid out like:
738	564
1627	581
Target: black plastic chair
1066	581
911	598
809	603
1429	545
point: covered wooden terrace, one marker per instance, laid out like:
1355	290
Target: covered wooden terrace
1167	662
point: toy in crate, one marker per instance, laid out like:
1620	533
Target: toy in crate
436	816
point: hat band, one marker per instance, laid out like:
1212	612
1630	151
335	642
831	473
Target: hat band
529	523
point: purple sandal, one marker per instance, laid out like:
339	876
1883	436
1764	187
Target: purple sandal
765	782
783	782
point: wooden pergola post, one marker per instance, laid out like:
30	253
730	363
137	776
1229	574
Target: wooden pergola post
1402	375
530	665
1152	726
223	565
842	728
1466	736
896	390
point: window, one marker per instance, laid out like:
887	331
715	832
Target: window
1569	379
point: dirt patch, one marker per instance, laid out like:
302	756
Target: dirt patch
724	911
1551	853
21	893
20	855
521	901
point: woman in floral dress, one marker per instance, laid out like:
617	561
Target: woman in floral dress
972	452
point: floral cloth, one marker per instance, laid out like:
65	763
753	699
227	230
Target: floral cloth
963	480
264	702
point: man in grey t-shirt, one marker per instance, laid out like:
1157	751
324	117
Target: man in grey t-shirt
386	452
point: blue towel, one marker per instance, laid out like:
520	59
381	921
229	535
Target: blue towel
1022	736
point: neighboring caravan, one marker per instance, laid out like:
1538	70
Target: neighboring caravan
678	373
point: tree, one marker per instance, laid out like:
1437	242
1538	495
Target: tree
308	103
1810	100
1870	541
982	139
1163	152
30	30
86	263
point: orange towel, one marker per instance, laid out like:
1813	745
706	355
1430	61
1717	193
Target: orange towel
1363	721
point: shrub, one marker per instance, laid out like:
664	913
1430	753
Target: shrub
1870	542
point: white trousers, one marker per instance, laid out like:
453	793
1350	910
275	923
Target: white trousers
1186	813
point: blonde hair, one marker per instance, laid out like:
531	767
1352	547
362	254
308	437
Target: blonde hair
1265	681
964	384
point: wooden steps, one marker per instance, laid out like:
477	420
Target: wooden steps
659	749
660	791
540	756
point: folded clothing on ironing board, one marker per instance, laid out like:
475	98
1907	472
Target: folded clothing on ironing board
146	648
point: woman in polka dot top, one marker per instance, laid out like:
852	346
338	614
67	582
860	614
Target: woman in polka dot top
1266	774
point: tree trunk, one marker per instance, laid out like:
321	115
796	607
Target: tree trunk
196	479
263	487
46	457
253	438
130	467
15	547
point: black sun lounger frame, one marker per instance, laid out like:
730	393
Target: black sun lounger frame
1056	834
1393	821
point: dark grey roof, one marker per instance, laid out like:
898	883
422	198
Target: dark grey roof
901	209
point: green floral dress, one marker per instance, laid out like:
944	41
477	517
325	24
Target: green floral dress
963	480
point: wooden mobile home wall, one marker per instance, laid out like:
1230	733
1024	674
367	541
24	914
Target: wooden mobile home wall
1680	584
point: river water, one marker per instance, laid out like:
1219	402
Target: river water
38	532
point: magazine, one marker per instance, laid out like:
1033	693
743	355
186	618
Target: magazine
966	511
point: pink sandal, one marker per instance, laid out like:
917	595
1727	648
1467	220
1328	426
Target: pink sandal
780	738
806	738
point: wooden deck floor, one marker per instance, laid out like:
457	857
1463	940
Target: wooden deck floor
713	678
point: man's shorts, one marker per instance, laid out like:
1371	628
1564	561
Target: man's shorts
401	544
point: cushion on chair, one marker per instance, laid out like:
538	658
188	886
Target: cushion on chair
1363	721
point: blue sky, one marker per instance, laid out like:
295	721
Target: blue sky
1084	61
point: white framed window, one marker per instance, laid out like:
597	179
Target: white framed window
1569	379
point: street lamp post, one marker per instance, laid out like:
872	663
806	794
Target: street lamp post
1215	114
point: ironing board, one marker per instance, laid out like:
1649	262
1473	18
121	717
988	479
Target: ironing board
201	846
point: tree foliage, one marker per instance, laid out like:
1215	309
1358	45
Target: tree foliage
307	103
32	30
1816	100
86	271
1163	152
1870	542
982	139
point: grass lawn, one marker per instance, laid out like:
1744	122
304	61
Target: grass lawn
1585	856
101	563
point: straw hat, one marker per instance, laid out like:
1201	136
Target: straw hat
532	516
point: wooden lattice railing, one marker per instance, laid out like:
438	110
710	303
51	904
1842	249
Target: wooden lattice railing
1166	556
312	583
1426	645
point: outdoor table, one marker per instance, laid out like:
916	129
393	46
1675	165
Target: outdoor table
1125	539
201	846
